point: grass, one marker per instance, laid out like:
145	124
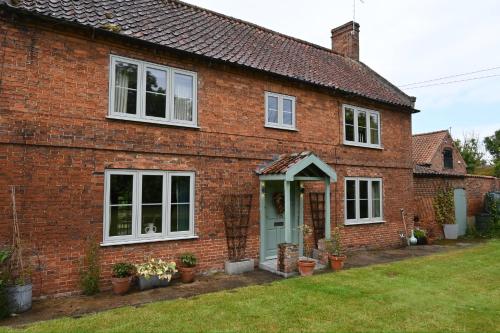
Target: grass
457	291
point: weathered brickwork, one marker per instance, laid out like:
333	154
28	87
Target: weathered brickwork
56	143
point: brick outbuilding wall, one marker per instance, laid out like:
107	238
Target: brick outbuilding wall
56	143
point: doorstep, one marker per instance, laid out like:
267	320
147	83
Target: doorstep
271	265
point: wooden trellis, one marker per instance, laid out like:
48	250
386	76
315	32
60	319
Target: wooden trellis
317	200
236	220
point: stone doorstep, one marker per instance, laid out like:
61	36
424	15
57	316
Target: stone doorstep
271	265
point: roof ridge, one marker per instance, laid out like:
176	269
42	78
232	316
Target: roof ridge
427	133
232	18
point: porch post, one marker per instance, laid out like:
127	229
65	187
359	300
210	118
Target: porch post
288	220
328	231
262	208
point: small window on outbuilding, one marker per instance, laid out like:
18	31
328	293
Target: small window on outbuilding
448	158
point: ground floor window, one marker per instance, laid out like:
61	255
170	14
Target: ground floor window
148	205
363	200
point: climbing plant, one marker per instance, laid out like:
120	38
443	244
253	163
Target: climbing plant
444	207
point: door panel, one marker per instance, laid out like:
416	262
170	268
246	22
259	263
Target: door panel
460	210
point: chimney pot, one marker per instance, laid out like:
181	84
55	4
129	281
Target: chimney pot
345	40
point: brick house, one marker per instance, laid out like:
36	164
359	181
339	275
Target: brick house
129	122
439	165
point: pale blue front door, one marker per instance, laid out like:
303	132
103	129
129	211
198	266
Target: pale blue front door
460	210
275	221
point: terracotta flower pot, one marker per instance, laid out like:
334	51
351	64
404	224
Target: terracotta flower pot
306	267
187	274
121	285
337	262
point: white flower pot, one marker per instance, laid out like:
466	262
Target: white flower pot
450	231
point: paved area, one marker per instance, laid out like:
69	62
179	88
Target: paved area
77	306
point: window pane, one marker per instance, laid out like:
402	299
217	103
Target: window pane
156	80
351	189
121	189
376	199
376	208
155	105
362	127
349	117
351	209
125	88
448	159
183	97
120	221
272	109
156	89
376	189
179	217
180	189
363	209
151	218
363	189
287	112
374	129
152	189
349	133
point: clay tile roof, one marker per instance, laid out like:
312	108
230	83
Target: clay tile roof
177	25
283	163
420	170
425	145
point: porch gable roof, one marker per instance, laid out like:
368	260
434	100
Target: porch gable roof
304	164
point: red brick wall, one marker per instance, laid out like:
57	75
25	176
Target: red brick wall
55	143
426	189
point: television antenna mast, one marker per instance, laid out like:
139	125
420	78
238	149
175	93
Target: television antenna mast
354	13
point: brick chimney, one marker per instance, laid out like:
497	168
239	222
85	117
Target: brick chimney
345	40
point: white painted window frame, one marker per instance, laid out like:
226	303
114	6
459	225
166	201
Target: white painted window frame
137	236
370	219
356	142
279	124
140	115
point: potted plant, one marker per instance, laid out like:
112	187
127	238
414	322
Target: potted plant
421	236
155	273
187	268
305	264
444	209
122	277
336	250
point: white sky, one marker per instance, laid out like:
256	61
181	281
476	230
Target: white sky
405	41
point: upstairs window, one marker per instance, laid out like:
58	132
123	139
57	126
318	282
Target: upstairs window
363	200
448	158
361	127
148	206
280	111
147	92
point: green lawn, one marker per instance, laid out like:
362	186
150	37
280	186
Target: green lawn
457	291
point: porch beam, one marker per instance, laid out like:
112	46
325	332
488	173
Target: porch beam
328	231
288	214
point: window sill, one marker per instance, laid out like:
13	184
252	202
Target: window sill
278	127
348	224
152	121
361	145
142	241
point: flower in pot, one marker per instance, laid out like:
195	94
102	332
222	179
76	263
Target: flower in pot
421	236
444	210
336	250
187	268
155	273
122	277
305	264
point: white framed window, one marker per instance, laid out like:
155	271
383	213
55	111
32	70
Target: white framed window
142	206
147	92
280	111
361	127
363	200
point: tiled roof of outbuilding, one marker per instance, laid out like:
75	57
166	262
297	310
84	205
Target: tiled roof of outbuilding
185	27
420	170
425	145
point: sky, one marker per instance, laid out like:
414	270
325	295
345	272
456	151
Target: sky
406	41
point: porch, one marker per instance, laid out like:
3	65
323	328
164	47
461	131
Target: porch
282	205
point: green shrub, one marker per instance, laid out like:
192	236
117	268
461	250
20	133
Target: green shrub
123	269
4	306
90	271
188	260
419	233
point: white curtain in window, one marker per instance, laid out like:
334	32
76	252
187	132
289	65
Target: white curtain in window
121	91
183	97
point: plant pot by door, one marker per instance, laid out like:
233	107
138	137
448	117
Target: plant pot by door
19	298
121	286
306	267
337	262
450	231
187	274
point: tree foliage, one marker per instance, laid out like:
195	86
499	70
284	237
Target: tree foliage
492	144
469	149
